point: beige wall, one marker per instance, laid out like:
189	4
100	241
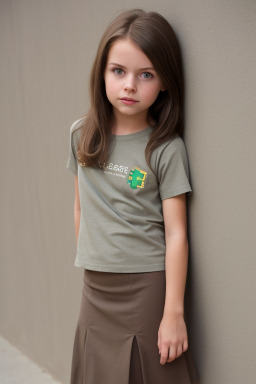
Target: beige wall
47	48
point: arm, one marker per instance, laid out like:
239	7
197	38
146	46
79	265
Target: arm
172	332
175	221
77	209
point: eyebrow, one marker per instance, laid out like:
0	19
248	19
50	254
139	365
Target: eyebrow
141	69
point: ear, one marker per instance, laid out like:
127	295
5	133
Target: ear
162	87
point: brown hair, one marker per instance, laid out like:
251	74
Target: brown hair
156	38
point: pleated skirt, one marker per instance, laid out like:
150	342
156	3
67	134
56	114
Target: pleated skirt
117	332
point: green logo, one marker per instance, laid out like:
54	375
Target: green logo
136	178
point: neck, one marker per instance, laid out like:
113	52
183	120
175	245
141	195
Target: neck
124	124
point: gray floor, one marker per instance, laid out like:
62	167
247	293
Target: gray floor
16	368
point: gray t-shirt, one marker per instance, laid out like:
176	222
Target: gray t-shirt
121	222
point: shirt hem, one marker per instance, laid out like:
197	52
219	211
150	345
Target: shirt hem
176	191
120	269
72	169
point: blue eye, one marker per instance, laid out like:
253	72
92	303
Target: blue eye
118	71
147	75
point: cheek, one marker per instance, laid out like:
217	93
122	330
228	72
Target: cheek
110	85
150	93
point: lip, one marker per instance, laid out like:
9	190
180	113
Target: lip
128	100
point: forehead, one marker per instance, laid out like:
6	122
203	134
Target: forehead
125	52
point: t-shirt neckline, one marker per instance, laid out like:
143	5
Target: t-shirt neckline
132	136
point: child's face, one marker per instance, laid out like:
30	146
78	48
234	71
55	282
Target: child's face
130	74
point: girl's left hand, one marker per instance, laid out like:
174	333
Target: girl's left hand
172	338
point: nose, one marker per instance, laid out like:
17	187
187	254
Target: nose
130	84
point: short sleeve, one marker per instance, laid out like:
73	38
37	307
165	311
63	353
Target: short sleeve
173	170
72	163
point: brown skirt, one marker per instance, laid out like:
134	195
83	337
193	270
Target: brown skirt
117	332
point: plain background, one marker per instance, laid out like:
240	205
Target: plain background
47	49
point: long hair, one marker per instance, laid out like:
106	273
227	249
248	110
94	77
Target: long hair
155	37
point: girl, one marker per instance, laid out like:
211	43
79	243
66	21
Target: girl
131	181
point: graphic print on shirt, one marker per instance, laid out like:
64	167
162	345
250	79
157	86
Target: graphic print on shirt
136	178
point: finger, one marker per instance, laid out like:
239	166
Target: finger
164	355
185	345
168	360
179	349
172	353
159	344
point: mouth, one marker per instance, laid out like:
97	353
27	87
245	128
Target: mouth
128	101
